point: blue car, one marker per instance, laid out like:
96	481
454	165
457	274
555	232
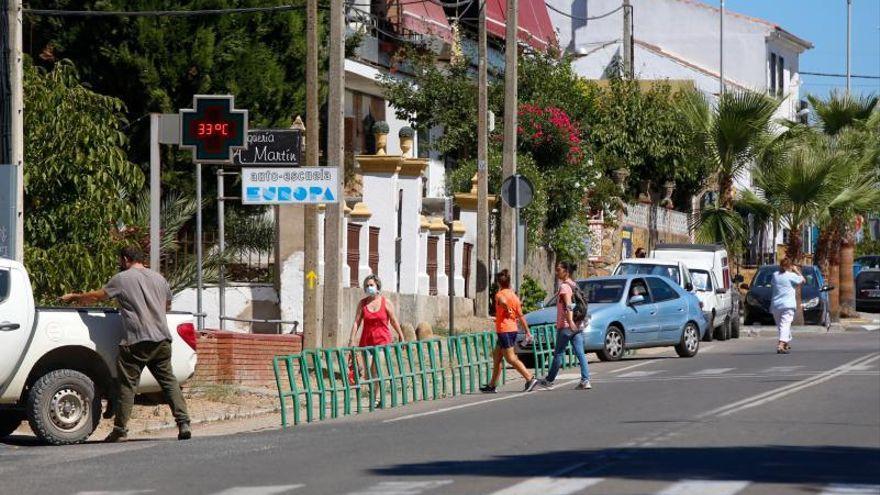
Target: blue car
631	312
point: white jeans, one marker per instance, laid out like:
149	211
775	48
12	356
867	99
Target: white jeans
783	318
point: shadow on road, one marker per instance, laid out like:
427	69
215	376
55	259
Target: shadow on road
764	464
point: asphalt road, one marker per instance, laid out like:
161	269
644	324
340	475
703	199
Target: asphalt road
736	419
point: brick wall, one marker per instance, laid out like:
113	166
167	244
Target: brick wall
241	358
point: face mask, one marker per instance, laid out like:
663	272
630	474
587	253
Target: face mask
371	290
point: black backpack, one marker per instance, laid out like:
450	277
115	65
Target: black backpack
579	313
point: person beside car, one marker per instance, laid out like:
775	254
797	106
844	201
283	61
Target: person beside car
566	328
144	296
783	303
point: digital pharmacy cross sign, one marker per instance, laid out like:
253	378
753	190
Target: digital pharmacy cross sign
213	128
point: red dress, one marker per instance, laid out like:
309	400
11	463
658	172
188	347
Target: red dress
376	330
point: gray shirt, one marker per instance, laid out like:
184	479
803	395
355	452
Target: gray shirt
142	295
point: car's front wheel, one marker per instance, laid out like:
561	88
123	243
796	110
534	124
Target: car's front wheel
613	347
690	341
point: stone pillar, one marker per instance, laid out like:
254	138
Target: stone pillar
380	193
410	182
424	282
361	214
438	228
458	232
346	270
467	204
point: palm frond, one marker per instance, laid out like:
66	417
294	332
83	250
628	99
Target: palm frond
841	110
715	224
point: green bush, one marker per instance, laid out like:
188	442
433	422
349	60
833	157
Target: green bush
868	246
532	294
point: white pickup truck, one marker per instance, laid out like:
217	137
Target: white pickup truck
56	365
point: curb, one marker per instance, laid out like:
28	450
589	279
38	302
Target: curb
214	419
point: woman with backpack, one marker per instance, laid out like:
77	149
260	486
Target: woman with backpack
568	329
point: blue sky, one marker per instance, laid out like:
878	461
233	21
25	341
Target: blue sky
823	22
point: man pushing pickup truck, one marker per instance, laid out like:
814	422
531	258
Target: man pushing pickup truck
143	296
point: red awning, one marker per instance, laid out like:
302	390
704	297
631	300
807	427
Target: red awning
425	17
535	27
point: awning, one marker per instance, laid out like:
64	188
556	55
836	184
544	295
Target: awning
425	17
535	27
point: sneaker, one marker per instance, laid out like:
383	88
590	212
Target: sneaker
116	436
184	432
584	385
545	383
109	411
531	384
488	390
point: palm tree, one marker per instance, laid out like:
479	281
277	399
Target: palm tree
851	123
841	110
731	132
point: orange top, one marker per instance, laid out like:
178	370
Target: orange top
505	319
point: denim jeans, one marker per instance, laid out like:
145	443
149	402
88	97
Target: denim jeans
563	337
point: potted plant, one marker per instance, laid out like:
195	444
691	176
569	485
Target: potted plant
380	131
406	135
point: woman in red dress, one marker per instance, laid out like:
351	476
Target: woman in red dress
377	315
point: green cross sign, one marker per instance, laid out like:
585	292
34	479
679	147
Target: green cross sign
213	128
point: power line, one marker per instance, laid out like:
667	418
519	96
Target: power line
160	13
828	74
566	14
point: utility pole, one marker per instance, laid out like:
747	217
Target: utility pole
848	43
628	51
721	52
311	332
12	154
482	300
510	123
332	319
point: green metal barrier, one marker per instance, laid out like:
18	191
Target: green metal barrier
471	361
543	345
338	381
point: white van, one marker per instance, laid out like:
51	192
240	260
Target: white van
711	259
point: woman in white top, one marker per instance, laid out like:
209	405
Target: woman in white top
783	303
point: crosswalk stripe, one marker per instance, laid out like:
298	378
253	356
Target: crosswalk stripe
702	487
549	486
638	374
259	490
713	371
851	490
402	487
119	492
782	369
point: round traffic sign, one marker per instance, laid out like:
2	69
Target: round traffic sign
517	191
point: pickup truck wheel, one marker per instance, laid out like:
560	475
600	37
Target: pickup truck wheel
734	329
62	407
725	331
690	341
613	347
9	422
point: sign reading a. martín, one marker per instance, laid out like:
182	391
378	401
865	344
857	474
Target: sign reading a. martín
271	148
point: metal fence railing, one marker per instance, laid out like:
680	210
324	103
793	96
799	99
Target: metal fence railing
319	384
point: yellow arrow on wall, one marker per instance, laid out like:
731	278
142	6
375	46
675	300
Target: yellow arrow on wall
311	276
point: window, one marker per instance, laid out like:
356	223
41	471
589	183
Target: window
702	280
4	285
424	143
638	288
661	290
668	271
604	291
772	88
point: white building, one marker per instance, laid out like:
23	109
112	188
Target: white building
679	40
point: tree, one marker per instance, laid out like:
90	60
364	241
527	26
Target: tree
850	123
79	183
158	64
730	133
